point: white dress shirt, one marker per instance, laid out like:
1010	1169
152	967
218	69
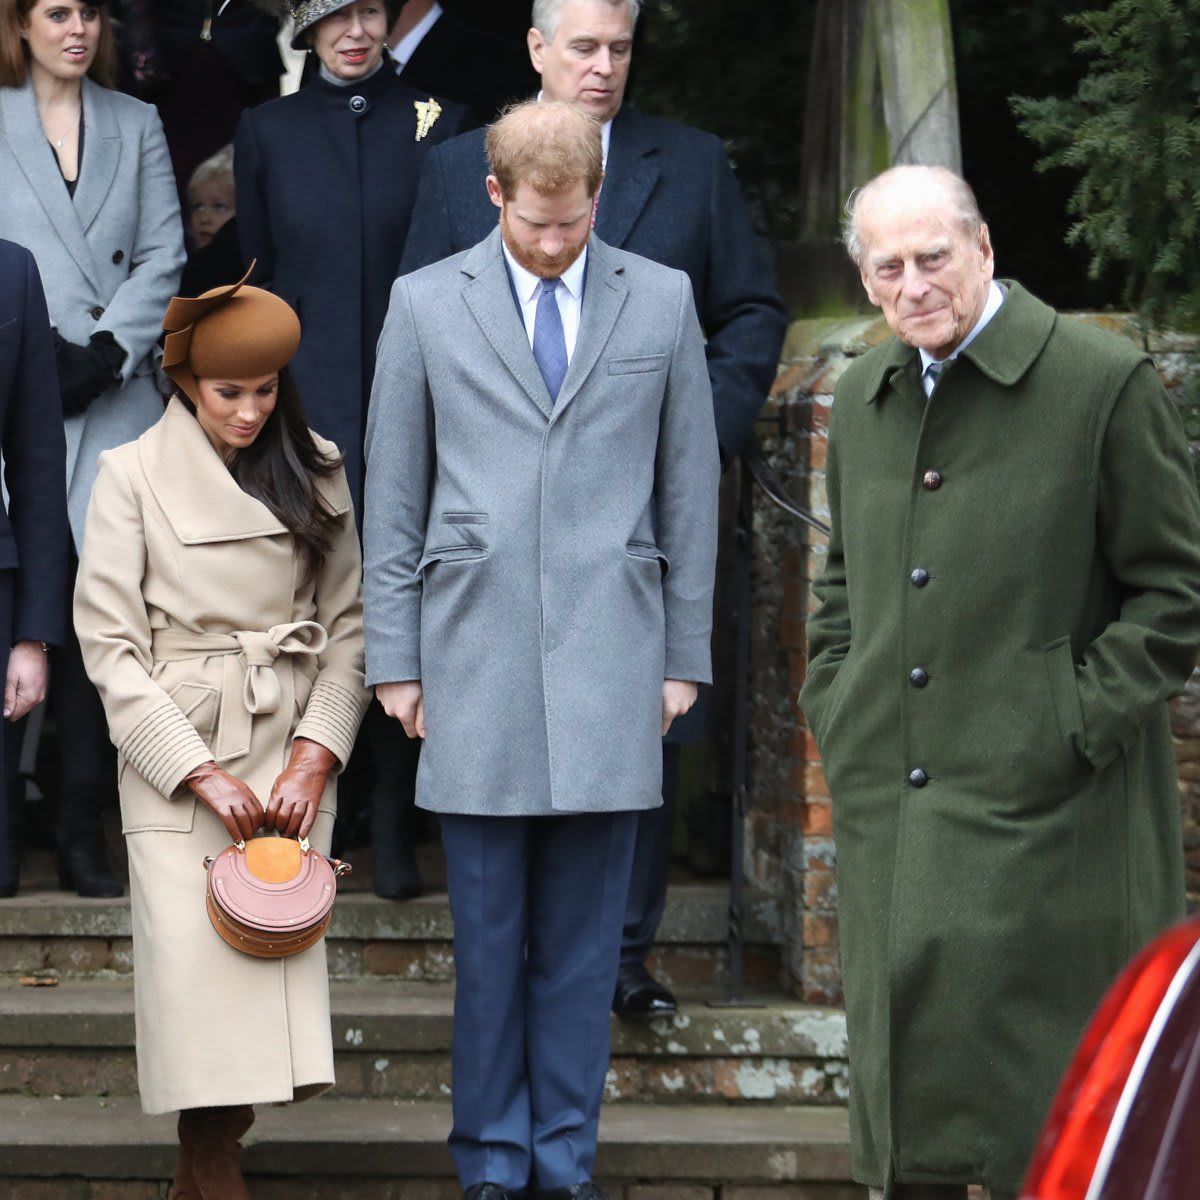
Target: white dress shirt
406	47
990	309
569	297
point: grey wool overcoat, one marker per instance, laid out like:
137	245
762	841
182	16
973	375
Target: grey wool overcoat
208	638
1011	594
109	258
540	568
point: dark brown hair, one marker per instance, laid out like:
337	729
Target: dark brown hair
14	54
280	469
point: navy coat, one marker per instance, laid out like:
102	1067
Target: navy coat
326	181
471	66
34	536
669	195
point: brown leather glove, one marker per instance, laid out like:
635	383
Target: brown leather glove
292	808
228	797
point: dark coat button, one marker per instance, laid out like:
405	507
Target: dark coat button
918	778
98	312
918	677
358	104
118	256
919	577
931	481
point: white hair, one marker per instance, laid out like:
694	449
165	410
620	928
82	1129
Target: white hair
219	166
547	12
957	189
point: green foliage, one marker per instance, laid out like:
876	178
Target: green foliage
1132	130
737	70
1189	409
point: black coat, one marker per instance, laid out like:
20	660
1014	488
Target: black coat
34	535
471	67
669	195
326	181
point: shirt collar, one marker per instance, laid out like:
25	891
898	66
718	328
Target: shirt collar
406	47
526	282
605	137
990	309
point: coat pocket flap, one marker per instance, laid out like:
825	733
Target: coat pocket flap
1064	691
465	518
648	550
635	366
450	554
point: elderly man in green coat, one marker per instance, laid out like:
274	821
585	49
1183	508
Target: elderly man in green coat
1011	595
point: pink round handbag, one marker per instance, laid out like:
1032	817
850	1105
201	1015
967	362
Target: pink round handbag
272	897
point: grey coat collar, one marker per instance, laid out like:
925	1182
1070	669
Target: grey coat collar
488	294
101	155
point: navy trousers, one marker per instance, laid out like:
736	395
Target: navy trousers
651	861
538	904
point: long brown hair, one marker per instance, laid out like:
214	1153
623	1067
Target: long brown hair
280	469
14	53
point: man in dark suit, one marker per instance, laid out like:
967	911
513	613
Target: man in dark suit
33	532
435	50
668	194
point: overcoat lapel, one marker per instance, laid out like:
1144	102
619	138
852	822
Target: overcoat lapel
630	177
35	157
488	295
101	153
193	487
603	297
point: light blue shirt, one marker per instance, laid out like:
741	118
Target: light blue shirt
990	309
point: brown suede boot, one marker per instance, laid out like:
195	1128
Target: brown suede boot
183	1186
217	1150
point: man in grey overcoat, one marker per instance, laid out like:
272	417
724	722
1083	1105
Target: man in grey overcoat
540	540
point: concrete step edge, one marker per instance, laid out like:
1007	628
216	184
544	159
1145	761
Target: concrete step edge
375	1017
696	914
112	1139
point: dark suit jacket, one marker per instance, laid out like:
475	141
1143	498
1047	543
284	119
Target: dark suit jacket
474	68
326	182
34	536
669	195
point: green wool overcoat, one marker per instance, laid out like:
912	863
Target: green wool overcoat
1011	595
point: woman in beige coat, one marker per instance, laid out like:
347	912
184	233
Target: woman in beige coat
219	609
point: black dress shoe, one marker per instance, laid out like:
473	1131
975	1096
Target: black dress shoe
488	1191
577	1191
640	997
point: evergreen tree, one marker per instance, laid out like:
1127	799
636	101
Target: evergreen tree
1133	130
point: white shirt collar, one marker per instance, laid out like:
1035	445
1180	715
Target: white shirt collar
990	309
406	47
605	137
526	282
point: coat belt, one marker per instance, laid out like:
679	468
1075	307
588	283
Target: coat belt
249	685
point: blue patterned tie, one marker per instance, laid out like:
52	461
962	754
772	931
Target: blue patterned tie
549	341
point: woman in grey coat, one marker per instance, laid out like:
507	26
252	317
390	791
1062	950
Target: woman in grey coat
88	189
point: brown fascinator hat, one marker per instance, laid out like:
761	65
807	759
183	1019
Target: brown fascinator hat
232	332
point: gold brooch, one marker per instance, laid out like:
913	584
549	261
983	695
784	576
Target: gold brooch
428	112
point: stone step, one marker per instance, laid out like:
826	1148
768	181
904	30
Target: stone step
384	1150
392	1039
372	938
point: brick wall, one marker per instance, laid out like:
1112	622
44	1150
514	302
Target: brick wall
790	851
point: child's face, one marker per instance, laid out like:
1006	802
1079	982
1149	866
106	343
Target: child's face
212	204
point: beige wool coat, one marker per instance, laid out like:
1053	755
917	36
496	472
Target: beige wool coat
206	641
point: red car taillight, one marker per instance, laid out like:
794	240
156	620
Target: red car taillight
1074	1135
